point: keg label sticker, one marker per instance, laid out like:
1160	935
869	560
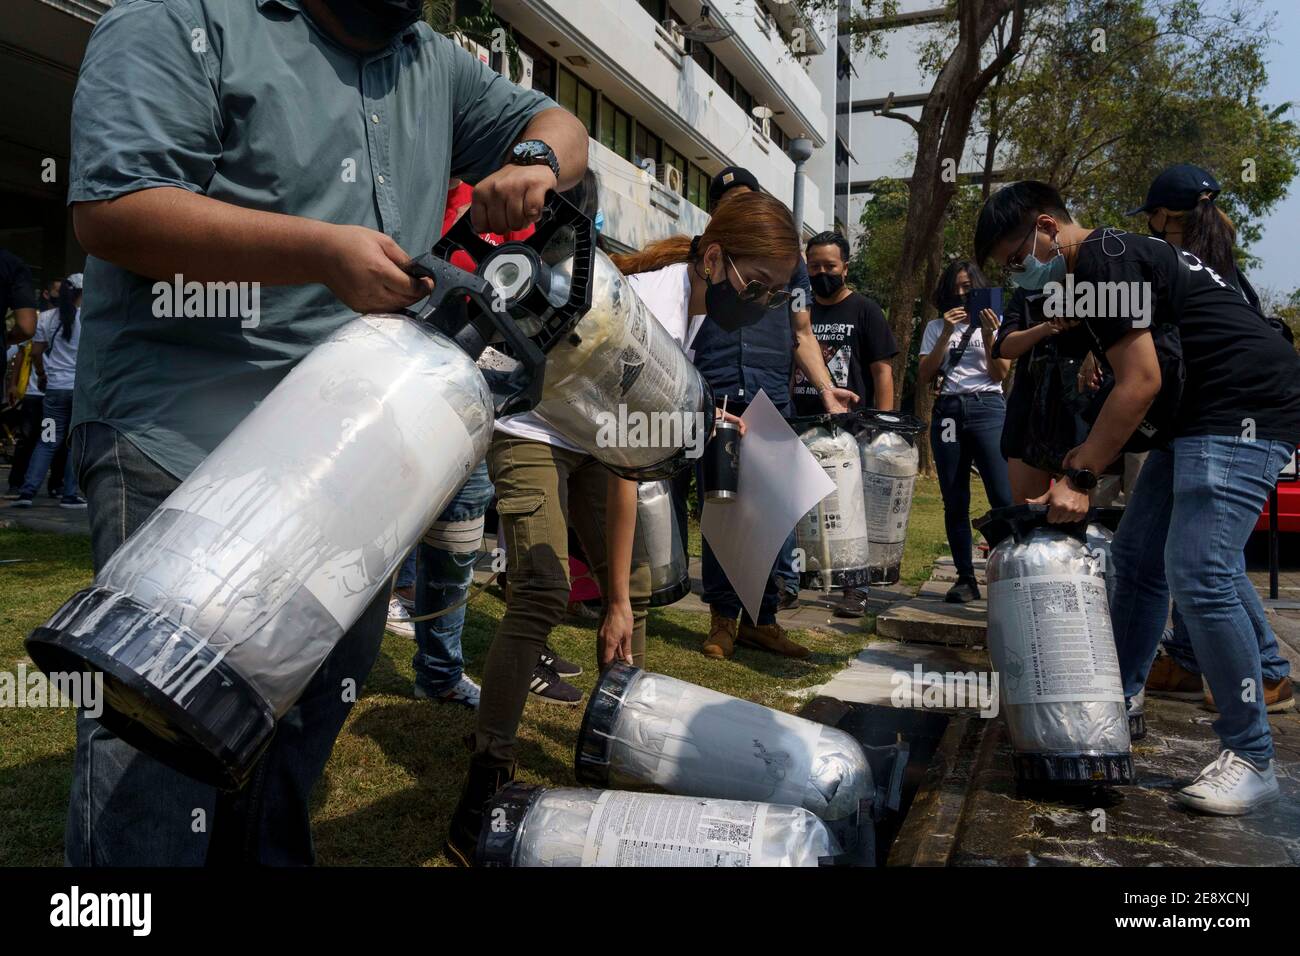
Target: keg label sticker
637	829
1050	640
889	501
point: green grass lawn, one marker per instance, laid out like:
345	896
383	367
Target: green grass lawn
396	770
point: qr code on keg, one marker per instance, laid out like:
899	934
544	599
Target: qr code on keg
736	834
1056	597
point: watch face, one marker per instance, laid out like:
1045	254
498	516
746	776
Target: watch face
531	149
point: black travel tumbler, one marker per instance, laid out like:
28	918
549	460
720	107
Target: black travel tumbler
722	462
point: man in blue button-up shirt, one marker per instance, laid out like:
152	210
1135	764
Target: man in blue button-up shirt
304	145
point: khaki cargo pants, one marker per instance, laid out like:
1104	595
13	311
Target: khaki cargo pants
542	491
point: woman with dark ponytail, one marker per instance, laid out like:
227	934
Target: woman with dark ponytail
54	363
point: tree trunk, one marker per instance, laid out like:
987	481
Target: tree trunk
921	397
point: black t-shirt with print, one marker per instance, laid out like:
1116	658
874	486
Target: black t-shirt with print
853	333
1239	369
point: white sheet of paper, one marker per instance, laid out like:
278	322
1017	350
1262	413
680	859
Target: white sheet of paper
780	482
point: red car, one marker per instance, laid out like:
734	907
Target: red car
1288	503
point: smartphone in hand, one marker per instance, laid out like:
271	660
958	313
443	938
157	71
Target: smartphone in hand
977	300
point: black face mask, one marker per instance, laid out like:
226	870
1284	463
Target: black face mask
374	21
724	306
826	284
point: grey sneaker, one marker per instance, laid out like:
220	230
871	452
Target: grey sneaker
465	693
1230	787
399	619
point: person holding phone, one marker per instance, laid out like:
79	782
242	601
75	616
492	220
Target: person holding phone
969	408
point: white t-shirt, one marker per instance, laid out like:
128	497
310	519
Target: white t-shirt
972	372
60	356
666	293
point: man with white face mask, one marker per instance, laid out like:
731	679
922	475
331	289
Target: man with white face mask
1230	432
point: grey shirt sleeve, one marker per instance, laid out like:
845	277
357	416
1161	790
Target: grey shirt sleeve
489	114
146	110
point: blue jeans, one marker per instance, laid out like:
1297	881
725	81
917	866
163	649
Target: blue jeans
58	406
966	429
1182	534
784	571
127	809
1275	667
445	572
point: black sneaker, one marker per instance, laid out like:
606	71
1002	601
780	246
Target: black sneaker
72	501
558	664
24	501
966	589
550	687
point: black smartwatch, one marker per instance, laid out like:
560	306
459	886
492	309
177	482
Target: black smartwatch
1081	478
533	152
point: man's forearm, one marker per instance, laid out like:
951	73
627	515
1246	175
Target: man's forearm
1016	344
567	137
620	521
808	353
1119	418
882	375
161	232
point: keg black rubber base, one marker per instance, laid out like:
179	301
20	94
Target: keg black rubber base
503	817
215	735
591	755
843	578
1073	770
671	594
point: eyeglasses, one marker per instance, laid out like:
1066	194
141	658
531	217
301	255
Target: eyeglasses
1016	263
755	291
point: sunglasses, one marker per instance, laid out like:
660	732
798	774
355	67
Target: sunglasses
755	291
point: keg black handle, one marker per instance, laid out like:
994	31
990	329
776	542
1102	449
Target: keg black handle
445	309
554	320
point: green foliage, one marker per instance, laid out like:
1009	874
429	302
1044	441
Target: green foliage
1117	90
484	28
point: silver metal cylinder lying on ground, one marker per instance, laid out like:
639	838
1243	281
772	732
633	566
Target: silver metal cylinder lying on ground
833	535
658	543
1053	652
887	446
211	619
531	826
648	731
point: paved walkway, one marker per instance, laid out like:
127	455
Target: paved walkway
44	514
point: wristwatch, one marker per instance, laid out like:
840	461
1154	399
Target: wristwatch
533	152
1081	478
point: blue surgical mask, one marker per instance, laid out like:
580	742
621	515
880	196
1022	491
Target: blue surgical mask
1035	273
599	221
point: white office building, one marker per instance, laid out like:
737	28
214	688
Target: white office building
667	110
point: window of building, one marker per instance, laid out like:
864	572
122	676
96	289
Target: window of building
656	8
578	98
615	129
646	146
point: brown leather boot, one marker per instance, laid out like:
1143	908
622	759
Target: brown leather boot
1168	678
721	642
1278	697
770	637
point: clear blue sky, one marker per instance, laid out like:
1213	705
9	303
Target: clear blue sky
1279	247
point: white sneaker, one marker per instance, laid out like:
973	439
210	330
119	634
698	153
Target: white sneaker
465	692
399	619
1230	787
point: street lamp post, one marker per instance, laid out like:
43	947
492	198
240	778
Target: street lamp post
801	151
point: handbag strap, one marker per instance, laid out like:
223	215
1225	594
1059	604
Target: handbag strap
953	360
